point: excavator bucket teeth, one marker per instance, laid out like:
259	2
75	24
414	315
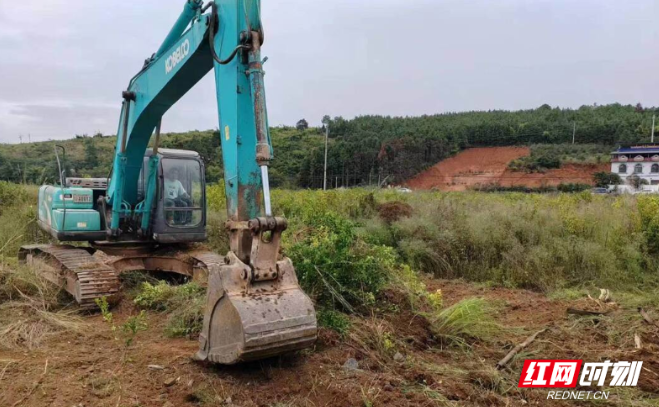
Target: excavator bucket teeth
248	320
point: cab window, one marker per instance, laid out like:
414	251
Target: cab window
182	192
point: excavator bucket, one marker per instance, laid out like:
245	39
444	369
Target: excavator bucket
248	318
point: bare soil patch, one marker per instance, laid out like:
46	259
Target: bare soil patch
93	369
489	166
393	211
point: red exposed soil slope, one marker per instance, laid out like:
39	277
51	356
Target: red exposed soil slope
486	166
567	174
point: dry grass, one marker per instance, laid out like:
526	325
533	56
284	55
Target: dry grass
30	311
25	326
23	283
374	337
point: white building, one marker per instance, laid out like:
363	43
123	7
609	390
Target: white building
637	160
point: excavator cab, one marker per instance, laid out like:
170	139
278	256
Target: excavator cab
179	214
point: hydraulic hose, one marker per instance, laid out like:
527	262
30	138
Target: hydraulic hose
212	26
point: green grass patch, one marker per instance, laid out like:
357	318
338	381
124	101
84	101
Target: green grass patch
468	320
184	304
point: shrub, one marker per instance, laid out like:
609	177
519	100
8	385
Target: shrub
648	209
393	211
184	303
12	194
218	238
332	263
566	188
216	197
163	297
604	179
571	188
548	156
186	321
334	320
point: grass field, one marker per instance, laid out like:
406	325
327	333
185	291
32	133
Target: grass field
427	291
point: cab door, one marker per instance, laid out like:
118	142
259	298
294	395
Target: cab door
181	211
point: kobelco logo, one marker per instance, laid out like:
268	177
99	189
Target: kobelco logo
177	56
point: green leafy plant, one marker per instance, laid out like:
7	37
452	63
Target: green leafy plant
436	299
132	326
333	263
334	320
126	331
604	179
104	306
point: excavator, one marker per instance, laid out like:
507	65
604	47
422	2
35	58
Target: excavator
150	213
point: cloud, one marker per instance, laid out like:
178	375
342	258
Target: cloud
43	121
65	62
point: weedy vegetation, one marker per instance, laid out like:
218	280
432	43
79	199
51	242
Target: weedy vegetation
544	157
350	245
468	320
365	257
184	304
31	309
127	331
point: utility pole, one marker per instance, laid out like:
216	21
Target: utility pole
326	140
20	137
574	132
652	138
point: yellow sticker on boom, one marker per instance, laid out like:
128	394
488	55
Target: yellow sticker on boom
227	133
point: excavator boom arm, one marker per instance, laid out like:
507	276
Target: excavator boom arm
183	59
255	307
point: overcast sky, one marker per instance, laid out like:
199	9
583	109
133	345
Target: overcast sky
64	63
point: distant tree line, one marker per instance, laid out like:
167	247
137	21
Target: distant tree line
400	147
361	150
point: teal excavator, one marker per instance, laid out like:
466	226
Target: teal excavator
152	209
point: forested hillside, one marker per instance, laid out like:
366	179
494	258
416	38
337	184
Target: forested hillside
362	150
92	156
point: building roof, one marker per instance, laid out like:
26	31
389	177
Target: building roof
633	150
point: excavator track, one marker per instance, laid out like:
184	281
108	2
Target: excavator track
75	270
